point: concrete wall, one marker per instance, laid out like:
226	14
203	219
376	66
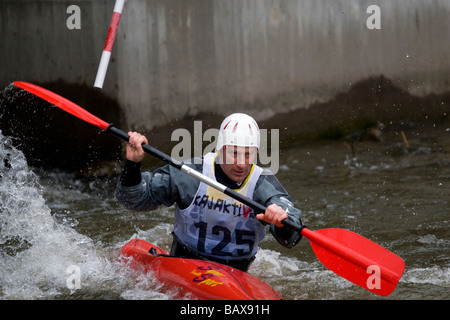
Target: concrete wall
179	57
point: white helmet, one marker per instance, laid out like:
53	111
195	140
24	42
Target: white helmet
238	129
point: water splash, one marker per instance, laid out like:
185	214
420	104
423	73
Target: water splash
36	251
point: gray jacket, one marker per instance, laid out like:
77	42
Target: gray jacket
168	186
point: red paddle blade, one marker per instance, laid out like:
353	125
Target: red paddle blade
357	259
62	103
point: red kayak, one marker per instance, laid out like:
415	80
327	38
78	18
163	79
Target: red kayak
204	279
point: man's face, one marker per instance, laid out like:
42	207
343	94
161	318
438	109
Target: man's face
237	161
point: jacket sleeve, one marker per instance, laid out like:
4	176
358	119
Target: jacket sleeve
269	190
164	186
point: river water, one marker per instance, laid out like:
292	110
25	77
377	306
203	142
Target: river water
54	226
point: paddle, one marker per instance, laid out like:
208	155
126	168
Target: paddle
346	253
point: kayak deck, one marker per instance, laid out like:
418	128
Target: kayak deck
204	279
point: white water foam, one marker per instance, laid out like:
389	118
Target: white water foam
37	254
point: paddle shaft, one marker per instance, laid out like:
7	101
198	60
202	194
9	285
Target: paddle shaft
199	176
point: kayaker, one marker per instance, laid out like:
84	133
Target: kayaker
208	223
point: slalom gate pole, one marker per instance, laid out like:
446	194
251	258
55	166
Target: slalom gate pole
106	54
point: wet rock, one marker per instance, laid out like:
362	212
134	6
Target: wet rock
354	113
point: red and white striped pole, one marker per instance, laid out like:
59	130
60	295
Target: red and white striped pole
106	55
